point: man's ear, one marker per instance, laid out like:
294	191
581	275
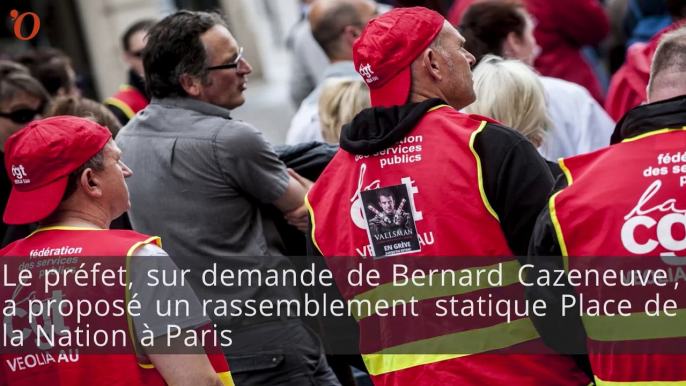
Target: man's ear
511	45
190	84
90	183
431	63
351	34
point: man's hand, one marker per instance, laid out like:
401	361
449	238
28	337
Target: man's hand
307	184
298	218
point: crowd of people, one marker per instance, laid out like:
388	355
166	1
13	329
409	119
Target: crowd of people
439	135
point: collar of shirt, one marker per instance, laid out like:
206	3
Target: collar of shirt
341	69
195	105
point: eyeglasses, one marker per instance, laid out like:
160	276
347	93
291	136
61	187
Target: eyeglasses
229	65
22	116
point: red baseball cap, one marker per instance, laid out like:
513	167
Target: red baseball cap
39	159
388	46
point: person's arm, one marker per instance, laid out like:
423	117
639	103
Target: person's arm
250	164
178	364
516	181
184	369
294	196
564	334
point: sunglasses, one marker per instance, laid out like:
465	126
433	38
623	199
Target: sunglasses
22	116
229	65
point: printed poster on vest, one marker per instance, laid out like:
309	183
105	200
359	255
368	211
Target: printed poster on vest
390	221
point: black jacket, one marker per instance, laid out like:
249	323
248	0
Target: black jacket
567	334
309	160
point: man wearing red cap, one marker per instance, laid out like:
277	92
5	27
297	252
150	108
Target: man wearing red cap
470	186
67	174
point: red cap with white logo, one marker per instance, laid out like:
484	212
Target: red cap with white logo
39	159
388	46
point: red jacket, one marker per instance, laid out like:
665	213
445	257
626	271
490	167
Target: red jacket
628	85
563	28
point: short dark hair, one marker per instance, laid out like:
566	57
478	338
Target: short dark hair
97	162
50	66
16	79
328	31
141	25
676	9
174	48
386	192
670	56
485	26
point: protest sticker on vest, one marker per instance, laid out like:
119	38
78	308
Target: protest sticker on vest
390	221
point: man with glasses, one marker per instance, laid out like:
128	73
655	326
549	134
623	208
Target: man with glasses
201	180
22	99
131	97
336	24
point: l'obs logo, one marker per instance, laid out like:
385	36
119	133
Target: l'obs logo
672	216
18	19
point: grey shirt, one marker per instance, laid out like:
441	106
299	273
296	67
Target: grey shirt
199	179
308	63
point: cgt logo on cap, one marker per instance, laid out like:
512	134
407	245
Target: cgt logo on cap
367	73
20	174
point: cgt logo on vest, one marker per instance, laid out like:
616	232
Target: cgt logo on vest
20	175
18	19
671	216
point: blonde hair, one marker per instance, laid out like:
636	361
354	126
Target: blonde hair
339	102
510	92
85	108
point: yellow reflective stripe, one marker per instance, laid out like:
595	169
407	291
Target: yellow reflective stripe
156	239
129	321
636	138
63	228
473	342
146	366
436	108
600	382
566	171
558	229
226	378
391	292
637	326
309	209
480	172
121	105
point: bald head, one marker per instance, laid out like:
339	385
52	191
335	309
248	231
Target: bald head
668	71
336	24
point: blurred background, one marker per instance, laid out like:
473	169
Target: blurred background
89	31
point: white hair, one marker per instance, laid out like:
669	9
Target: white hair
341	99
510	92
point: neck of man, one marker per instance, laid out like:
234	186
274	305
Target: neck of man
342	56
94	218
